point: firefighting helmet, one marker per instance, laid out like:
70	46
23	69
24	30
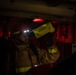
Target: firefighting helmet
20	28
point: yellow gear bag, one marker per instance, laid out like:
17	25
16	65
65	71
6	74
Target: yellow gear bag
44	29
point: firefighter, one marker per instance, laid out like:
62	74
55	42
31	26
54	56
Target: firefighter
23	55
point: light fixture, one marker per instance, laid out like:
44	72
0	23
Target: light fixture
38	20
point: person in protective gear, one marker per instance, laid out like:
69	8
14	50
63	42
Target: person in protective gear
23	55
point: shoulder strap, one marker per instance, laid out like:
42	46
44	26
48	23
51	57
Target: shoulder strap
35	52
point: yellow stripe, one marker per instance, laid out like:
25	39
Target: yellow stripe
16	32
52	50
23	69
